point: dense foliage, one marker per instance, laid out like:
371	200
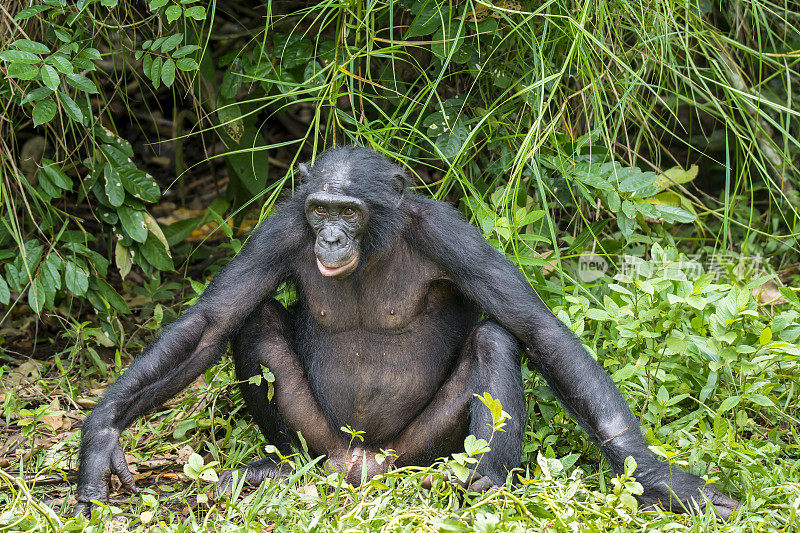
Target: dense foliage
638	160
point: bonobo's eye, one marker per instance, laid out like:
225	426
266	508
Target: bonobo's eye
349	212
319	210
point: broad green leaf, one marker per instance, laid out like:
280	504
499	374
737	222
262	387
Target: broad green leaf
766	336
19	56
185	50
171	42
111	296
638	181
140	184
157	4
36	296
676	175
28	12
51	270
61	62
5	292
79	81
729	403
156	254
196	12
92	54
50	77
116	156
168	72
44	111
112	184
70	107
674	214
173	13
122	256
155	72
187	64
31	46
76	279
37	94
54	172
430	16
133	222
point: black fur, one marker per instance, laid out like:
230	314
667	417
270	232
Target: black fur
393	347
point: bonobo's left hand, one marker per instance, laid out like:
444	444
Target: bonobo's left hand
691	492
357	463
101	456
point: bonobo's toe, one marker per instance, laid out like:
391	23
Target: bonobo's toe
254	474
84	509
723	505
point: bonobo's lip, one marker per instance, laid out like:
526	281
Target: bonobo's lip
337	271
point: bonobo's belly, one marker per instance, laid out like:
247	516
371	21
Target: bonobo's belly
377	381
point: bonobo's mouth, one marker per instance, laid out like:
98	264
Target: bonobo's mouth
338	271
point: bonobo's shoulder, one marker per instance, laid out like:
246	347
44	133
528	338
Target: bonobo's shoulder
420	208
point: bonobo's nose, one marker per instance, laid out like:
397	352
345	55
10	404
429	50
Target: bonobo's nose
331	238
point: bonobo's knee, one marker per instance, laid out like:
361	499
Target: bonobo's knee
268	318
491	342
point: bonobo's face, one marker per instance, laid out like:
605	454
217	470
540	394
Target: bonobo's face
339	222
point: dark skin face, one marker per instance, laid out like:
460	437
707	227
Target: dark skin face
339	222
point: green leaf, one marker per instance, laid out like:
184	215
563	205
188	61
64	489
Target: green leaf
31	46
196	12
156	254
140	184
5	292
19	56
185	50
157	4
674	214
36	296
122	256
92	54
70	107
766	336
37	94
56	175
61	62
28	12
50	77
22	71
729	403
155	72
133	222
168	72
171	42
44	111
113	185
81	82
76	279
639	180
173	13
187	64
428	19
111	296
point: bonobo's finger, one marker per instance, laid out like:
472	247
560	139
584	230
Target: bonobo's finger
119	466
723	505
474	483
82	508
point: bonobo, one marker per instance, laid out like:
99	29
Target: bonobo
386	337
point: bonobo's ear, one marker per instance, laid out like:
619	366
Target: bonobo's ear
302	172
400	182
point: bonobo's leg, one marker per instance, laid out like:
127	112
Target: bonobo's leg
265	340
489	362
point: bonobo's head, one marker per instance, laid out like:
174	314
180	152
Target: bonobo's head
352	198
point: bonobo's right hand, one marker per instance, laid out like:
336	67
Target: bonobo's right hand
101	455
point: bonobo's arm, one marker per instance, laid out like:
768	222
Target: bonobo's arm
579	382
184	350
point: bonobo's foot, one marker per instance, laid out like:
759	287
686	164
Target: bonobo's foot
254	474
358	463
474	483
692	492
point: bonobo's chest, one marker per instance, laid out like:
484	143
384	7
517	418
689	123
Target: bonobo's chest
386	294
